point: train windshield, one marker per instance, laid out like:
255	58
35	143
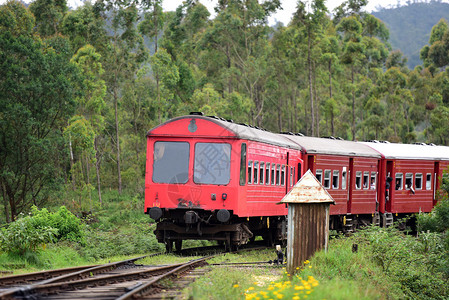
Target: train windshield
171	162
212	163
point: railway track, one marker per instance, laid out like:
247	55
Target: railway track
119	280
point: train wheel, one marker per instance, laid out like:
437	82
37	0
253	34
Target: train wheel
169	246
178	245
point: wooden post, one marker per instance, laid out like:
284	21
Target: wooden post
308	220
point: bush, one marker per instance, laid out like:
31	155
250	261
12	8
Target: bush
23	236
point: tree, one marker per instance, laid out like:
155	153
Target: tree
36	99
49	15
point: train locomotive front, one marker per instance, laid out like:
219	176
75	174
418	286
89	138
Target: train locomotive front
196	183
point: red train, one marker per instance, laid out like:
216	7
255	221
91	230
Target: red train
211	179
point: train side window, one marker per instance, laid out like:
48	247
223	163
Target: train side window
327	179
358	180
292	175
299	173
343	179
256	172
319	176
273	170
261	172
335	179
398	181
267	174
408	180
418	181
250	171
366	180
373	181
283	175
428	181
278	173
243	164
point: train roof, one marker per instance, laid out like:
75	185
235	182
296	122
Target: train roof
240	131
333	146
410	151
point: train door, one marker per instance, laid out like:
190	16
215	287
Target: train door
436	181
390	173
351	187
311	163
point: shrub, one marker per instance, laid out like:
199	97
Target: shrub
23	235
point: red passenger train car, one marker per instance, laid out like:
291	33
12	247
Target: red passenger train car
212	179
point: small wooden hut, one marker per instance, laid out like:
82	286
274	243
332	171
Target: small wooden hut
308	220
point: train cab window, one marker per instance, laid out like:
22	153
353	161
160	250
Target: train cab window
327	179
365	180
319	176
358	180
343	179
212	164
171	162
267	174
428	181
243	164
273	170
278	173
256	172
261	172
283	175
250	171
408	180
418	181
373	181
398	182
335	179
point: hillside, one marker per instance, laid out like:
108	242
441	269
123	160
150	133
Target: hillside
410	26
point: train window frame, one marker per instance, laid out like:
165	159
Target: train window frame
335	179
278	174
373	184
408	181
161	158
319	175
267	173
344	176
256	172
358	180
429	181
243	164
283	173
250	172
366	179
418	181
400	177
262	173
212	163
327	179
273	174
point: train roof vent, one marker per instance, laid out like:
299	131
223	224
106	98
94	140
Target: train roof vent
384	142
329	137
431	144
299	134
421	144
230	120
372	141
287	132
214	117
196	113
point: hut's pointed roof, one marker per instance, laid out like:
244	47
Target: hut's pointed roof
308	190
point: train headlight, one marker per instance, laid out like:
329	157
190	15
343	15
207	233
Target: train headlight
155	213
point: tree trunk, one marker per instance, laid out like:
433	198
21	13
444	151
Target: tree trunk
353	102
309	63
330	96
97	168
117	141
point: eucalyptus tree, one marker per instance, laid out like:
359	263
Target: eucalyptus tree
36	100
124	54
49	15
311	20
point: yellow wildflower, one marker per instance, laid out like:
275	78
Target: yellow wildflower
235	286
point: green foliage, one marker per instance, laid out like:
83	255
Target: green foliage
25	235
